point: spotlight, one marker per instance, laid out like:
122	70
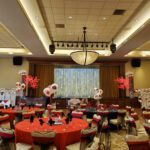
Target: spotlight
106	45
87	45
82	45
102	45
113	47
77	45
63	45
97	45
68	45
92	45
52	48
72	45
57	44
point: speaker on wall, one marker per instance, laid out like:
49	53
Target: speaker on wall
17	60
136	62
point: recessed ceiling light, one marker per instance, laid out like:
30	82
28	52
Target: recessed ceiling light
144	55
104	18
10	53
70	17
29	53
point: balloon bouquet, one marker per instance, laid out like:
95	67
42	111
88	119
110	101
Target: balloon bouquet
50	90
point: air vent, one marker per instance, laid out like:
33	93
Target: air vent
119	12
60	26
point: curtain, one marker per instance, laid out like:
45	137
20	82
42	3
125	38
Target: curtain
76	82
107	76
45	74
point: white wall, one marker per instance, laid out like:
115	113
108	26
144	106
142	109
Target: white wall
9	73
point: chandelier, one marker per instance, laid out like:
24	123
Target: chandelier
84	57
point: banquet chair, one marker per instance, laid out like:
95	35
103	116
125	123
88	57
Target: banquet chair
23	146
146	115
139	141
1	106
134	115
83	105
7	139
18	117
39	112
87	137
147	128
43	140
27	115
104	136
56	112
4	121
128	109
96	120
77	114
38	105
117	122
114	106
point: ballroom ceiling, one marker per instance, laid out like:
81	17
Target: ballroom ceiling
30	25
96	15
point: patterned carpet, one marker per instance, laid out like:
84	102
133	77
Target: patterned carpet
118	141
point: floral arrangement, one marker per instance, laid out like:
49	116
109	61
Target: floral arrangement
123	83
31	81
51	89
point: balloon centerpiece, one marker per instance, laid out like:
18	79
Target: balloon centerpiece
20	88
50	90
97	95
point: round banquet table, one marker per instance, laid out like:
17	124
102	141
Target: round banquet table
11	112
65	134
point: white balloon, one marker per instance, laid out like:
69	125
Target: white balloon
46	91
51	89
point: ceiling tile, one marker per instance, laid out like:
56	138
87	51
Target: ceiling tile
94	11
107	12
46	3
71	4
57	3
82	11
110	5
123	5
59	17
94	14
58	11
59	21
70	11
97	4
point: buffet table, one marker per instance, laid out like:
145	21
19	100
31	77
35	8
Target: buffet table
65	134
